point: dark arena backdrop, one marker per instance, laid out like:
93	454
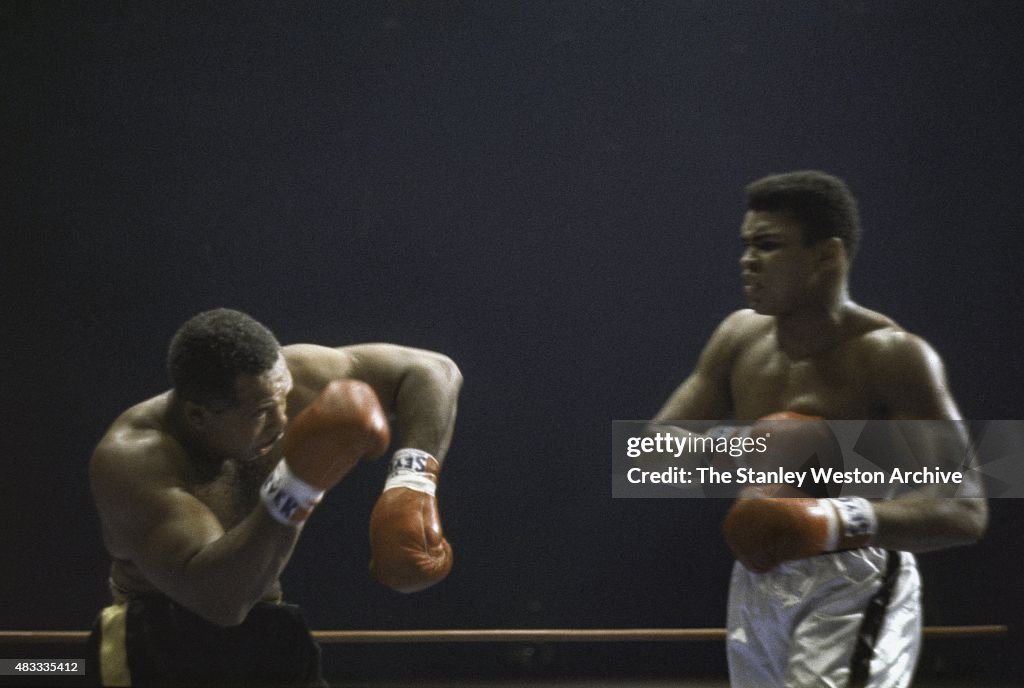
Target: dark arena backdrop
548	192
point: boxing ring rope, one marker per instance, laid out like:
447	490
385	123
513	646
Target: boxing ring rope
514	635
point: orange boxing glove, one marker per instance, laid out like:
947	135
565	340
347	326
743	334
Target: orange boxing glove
795	442
791	438
344	424
763	532
408	549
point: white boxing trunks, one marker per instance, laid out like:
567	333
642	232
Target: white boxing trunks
842	620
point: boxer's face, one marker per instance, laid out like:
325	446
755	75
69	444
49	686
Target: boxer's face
779	273
253	427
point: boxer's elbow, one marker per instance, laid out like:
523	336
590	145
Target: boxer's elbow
221	604
961	521
972	518
446	374
432	376
223	613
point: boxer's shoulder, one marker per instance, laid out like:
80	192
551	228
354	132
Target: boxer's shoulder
746	323
884	345
740	331
140	445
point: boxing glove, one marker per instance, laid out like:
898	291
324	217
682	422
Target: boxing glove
795	442
763	532
408	549
344	424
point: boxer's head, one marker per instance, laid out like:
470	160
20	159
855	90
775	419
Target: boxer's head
231	382
800	232
819	203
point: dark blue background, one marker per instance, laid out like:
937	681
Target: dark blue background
550	193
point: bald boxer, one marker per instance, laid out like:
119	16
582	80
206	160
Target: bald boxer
203	491
824	592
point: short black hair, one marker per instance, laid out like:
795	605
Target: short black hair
820	203
212	349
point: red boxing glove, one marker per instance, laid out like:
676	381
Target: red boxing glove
343	424
792	439
763	532
794	442
408	549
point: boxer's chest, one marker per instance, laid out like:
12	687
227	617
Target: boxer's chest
233	493
831	385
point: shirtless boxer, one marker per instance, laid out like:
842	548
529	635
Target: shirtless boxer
797	616
203	491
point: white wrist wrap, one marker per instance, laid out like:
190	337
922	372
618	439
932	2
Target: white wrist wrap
408	470
832	516
856	516
289	499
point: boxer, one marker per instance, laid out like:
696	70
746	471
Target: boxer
824	591
203	492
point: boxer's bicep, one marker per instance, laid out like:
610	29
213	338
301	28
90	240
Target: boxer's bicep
706	393
912	381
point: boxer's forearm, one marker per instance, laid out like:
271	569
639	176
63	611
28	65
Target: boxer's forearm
922	524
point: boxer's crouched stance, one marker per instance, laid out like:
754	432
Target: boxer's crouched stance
203	492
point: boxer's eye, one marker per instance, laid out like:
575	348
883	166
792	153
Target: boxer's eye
763	245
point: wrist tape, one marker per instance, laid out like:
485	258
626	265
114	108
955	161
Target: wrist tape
288	498
849	517
409	470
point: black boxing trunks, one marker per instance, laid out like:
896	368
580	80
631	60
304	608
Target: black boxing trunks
149	640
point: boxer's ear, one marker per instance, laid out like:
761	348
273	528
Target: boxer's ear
831	253
197	415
